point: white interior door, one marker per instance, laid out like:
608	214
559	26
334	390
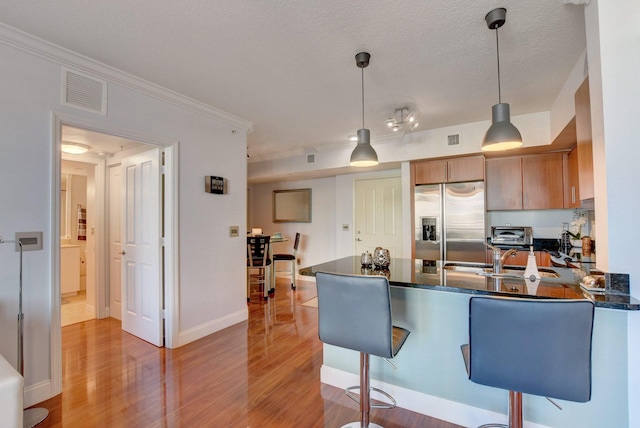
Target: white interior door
379	215
115	242
141	246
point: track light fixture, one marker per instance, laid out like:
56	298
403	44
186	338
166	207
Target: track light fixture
402	118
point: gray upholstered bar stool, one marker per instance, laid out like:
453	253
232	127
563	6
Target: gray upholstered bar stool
354	312
532	346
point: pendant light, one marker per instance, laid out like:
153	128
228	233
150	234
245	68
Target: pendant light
363	154
501	135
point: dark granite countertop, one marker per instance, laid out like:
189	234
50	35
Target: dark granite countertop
430	275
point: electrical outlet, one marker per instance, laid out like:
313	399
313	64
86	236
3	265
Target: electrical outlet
234	231
345	227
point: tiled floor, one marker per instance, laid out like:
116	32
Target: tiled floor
74	309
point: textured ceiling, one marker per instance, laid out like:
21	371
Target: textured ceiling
288	66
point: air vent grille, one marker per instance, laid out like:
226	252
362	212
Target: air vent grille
311	158
85	92
453	140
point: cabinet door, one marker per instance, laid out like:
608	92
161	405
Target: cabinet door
504	183
571	188
542	186
465	169
583	136
543	259
431	172
519	259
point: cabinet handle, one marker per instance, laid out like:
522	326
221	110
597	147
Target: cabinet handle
573	194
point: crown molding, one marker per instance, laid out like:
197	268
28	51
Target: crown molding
35	46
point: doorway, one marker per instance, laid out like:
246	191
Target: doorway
168	311
378	215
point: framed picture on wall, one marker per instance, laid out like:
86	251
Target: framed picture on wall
292	206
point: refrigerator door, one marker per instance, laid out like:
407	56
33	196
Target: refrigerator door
428	222
464	220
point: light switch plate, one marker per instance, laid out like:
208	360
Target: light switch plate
234	231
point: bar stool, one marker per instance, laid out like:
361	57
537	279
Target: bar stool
288	258
532	346
354	312
258	259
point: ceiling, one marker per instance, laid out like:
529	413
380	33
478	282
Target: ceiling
288	67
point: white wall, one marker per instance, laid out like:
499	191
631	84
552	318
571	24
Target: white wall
613	39
317	242
212	265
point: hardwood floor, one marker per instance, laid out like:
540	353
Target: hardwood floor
261	373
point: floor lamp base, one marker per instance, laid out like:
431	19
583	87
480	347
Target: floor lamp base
33	417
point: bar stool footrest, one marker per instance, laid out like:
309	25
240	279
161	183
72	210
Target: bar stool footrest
356	398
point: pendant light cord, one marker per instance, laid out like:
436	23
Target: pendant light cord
362	70
498	56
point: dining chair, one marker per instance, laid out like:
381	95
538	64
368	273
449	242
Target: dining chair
258	259
288	258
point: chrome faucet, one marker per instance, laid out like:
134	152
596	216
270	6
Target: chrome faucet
499	258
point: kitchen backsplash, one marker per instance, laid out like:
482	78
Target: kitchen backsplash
546	224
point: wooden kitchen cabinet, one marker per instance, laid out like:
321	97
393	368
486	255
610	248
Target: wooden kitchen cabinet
542	185
449	170
522	257
584	141
504	183
525	182
572	187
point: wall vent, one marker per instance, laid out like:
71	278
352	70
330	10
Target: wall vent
311	158
453	140
85	92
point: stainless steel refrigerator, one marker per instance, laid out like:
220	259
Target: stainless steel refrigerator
450	222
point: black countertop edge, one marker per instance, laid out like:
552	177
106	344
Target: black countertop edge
622	302
610	300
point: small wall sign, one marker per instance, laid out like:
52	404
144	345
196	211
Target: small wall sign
216	185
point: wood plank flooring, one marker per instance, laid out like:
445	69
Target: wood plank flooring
259	374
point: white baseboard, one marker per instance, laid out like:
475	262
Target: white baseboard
34	394
435	407
210	327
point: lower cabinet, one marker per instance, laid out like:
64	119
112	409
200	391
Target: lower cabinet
69	269
543	259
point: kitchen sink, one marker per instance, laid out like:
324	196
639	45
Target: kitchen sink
487	269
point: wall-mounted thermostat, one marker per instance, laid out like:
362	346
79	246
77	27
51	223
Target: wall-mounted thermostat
30	241
215	185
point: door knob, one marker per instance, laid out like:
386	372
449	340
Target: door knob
121	253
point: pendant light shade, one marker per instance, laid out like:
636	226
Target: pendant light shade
502	134
363	154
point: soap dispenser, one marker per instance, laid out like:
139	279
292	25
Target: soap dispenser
531	272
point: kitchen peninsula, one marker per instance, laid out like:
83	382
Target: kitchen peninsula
432	302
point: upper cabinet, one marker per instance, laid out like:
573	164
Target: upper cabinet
504	183
449	170
572	188
542	184
583	136
525	182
